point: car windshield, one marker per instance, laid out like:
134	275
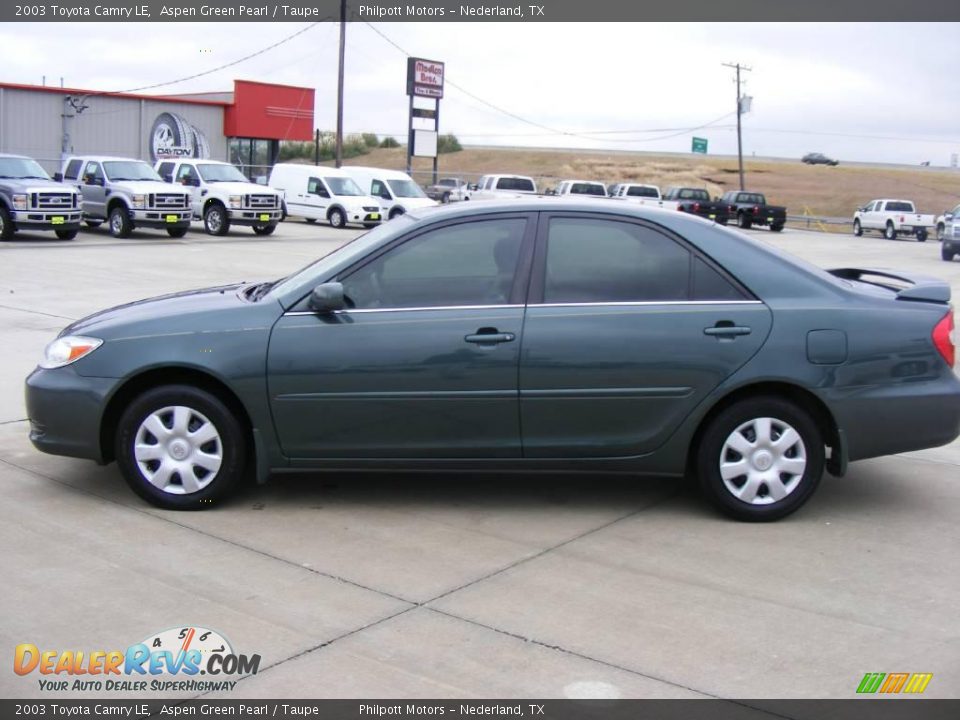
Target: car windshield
516	183
343	186
211	173
15	168
588	189
405	188
129	170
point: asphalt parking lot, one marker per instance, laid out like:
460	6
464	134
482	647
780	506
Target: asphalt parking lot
465	585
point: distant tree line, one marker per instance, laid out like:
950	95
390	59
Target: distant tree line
353	146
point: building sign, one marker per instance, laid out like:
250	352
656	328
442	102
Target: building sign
699	145
424	78
173	137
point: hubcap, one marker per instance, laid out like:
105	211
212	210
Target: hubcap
178	450
763	461
214	220
116	222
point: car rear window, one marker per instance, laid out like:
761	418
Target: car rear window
899	207
692	194
641	191
588	189
516	183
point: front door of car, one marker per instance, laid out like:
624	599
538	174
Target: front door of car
188	178
92	187
627	330
424	361
871	218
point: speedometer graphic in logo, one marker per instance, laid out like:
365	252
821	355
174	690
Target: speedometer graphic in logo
185	639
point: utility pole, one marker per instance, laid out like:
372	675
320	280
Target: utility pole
343	44
738	68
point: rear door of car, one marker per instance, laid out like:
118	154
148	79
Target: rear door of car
424	364
627	329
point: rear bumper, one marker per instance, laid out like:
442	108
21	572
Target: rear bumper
65	412
890	419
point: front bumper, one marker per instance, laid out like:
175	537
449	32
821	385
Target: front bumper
365	217
179	218
66	410
46	220
248	218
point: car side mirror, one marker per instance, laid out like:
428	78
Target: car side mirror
948	217
327	298
472	186
58	177
91	180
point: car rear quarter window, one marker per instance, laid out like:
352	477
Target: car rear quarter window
710	284
471	263
595	261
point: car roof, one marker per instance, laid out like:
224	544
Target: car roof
547	203
383	172
586	182
19	157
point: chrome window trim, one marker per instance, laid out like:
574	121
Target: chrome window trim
537	305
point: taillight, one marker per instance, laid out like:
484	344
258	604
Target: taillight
901	219
755	209
732	208
680	207
696	207
943	338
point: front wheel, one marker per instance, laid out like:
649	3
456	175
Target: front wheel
6	224
889	232
65	234
180	447
120	225
760	459
337	218
445	199
176	232
264	229
216	221
940	229
946	254
857	229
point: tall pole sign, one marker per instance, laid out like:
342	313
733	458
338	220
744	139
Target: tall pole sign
425	89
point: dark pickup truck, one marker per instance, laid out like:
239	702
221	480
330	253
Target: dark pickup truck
751	208
695	201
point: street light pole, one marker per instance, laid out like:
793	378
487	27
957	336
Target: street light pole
738	68
343	43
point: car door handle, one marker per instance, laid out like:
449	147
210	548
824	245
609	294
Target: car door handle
489	336
724	330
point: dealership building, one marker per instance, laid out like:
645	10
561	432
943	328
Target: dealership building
244	126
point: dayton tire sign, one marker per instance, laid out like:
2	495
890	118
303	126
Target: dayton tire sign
173	137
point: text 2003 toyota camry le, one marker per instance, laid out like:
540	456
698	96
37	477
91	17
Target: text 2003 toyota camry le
534	335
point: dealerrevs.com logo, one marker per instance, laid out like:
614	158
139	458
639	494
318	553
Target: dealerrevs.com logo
188	659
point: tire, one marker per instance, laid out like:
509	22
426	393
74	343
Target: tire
752	495
396	213
264	229
177	232
337	218
66	234
93	223
6	224
724	221
174	419
922	235
743	222
445	199
857	228
889	233
120	225
940	229
216	221
283	211
776	228
946	254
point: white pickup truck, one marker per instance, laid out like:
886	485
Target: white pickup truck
592	188
638	193
892	218
501	187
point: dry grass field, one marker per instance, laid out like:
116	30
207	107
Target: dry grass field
815	190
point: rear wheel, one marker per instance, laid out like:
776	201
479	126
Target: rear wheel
743	221
857	229
776	228
66	234
946	253
120	225
215	219
264	229
760	459
889	232
6	224
922	235
180	447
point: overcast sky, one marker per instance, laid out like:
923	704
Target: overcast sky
872	92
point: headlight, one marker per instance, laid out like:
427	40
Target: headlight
139	202
19	202
66	350
236	201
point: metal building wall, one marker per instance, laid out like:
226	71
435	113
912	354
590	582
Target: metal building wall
30	124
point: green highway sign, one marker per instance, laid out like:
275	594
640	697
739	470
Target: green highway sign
699	145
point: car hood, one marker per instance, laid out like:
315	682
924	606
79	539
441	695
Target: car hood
242	188
415	202
29	186
142	187
176	312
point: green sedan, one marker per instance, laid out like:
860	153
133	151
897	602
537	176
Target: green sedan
535	334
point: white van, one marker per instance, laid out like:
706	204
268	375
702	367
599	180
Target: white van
314	192
394	190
